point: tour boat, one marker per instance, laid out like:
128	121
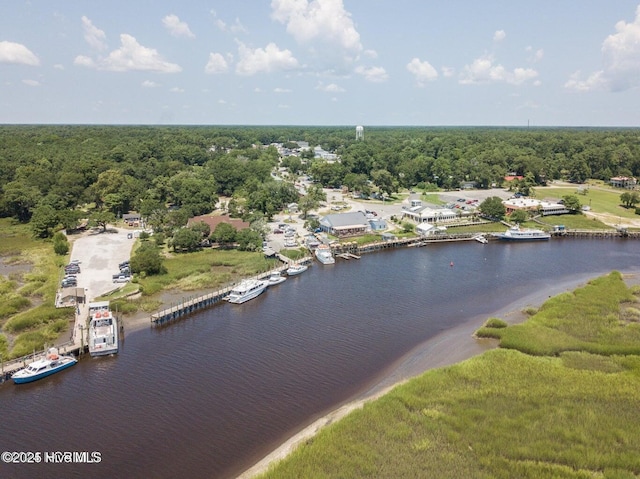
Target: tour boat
103	333
276	278
296	268
323	254
246	290
43	367
515	233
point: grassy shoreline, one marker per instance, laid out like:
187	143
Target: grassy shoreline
505	413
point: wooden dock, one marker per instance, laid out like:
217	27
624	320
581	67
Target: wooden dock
190	305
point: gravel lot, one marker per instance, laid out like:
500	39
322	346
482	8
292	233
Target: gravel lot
99	255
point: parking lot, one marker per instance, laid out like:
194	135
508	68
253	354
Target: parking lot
99	255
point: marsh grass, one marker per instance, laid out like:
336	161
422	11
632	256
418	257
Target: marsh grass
208	269
570	411
27	314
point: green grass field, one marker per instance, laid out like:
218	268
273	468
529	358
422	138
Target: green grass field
570	411
601	199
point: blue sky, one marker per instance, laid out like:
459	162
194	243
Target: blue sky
321	62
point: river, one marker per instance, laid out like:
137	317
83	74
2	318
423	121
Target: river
210	394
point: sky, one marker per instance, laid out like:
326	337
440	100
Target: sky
321	62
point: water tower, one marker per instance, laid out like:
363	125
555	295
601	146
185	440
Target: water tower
359	133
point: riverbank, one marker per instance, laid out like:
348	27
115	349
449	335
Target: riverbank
450	347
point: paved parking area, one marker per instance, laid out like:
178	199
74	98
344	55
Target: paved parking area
99	255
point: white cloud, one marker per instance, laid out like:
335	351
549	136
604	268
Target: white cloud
236	28
483	70
499	35
31	82
176	27
330	88
131	56
267	60
281	90
622	55
621	61
324	20
17	53
448	71
58	66
595	81
150	84
95	37
371	54
423	71
175	89
537	55
216	64
373	74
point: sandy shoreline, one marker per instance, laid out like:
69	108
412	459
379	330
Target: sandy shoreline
450	347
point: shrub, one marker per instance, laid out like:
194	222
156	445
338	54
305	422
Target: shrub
495	323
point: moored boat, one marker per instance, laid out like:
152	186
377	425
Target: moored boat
276	278
103	333
43	367
324	255
296	268
480	238
515	233
246	290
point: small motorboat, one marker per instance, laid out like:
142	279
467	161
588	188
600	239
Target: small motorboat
296	268
43	367
276	278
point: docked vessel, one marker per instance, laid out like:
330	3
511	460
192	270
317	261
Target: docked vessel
43	367
323	254
246	290
515	233
103	333
276	278
296	268
480	238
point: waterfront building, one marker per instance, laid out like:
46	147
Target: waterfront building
345	224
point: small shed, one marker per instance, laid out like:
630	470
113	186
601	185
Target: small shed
378	224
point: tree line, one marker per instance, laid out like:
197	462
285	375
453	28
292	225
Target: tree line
54	176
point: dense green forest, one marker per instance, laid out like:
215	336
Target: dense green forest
55	175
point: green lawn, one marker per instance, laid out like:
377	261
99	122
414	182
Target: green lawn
601	200
570	411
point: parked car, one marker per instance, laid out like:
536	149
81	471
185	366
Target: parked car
278	231
122	279
123	264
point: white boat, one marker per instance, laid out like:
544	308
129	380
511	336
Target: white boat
103	333
515	233
323	254
246	290
480	238
43	367
296	268
276	278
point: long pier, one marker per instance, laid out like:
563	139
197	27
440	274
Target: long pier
190	305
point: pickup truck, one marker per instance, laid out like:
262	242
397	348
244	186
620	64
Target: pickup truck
122	279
